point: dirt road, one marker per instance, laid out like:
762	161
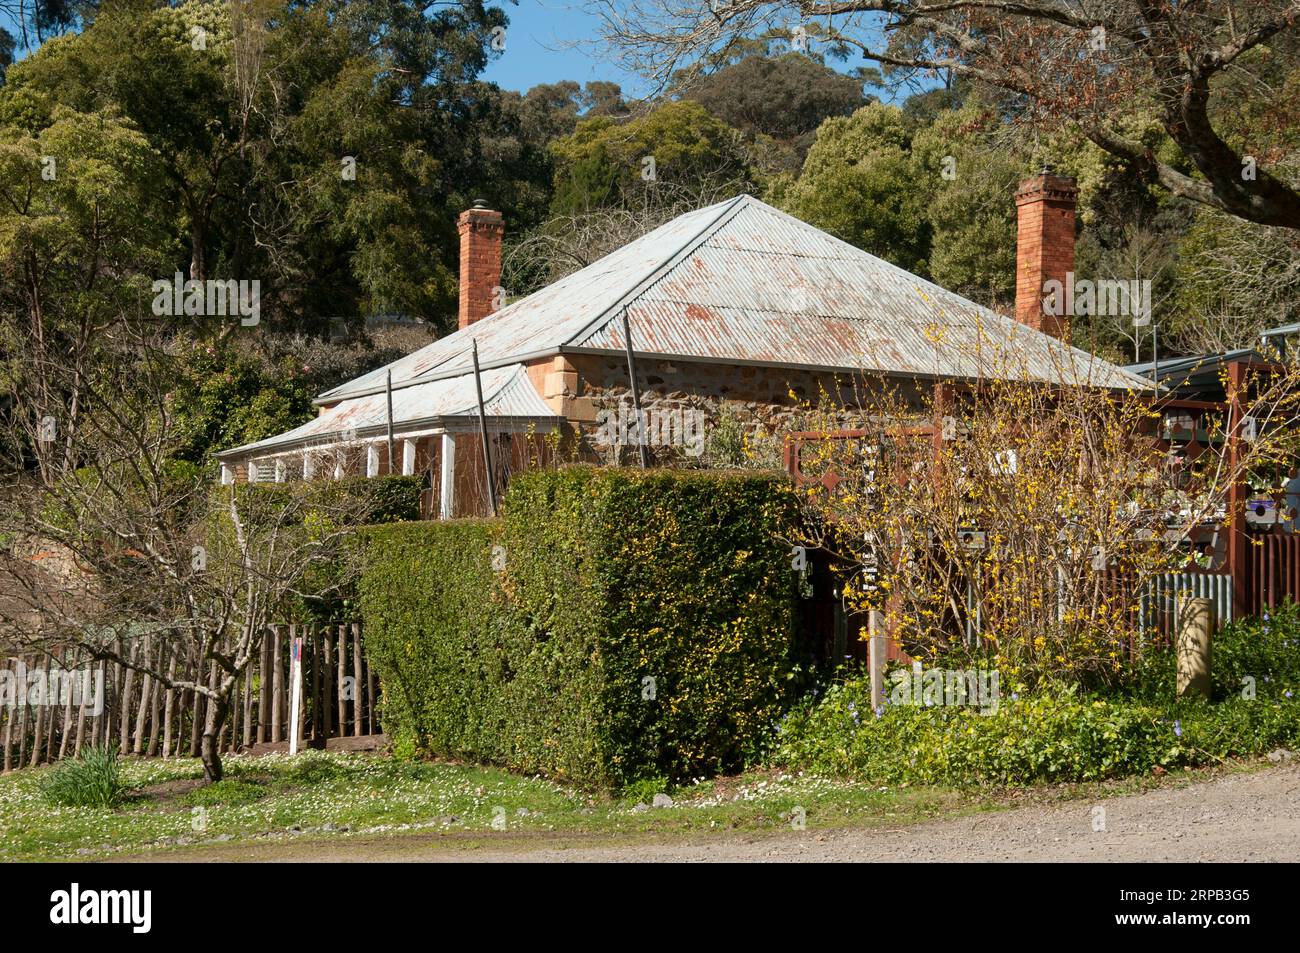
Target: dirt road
1238	817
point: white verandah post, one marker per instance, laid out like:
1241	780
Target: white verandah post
447	477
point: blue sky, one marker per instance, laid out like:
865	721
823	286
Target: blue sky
550	40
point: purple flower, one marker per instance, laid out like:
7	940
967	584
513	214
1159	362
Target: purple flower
1178	729
880	711
1287	694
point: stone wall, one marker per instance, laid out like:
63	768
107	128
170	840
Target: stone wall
593	393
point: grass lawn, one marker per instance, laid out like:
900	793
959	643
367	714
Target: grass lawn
317	795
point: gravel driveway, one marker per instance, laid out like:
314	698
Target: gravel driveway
1237	817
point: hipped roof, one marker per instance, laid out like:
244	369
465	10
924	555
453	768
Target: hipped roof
739	282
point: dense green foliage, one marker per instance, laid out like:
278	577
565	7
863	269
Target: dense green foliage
604	161
1060	734
777	102
857	184
275	150
636	625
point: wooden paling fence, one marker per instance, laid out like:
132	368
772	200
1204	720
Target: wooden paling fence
54	705
1272	571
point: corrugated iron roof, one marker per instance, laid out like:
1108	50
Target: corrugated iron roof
507	393
744	282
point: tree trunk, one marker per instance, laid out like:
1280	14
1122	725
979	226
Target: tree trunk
210	743
197	249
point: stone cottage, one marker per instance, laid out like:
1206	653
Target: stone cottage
737	304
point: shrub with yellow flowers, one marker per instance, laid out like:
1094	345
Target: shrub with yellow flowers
1017	518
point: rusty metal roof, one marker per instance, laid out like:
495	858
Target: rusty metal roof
508	395
742	282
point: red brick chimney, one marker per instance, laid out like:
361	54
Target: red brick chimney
480	230
1044	247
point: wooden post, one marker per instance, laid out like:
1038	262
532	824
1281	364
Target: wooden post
155	707
446	477
342	670
9	714
876	659
1195	625
65	684
248	704
184	702
296	677
169	706
38	735
124	716
97	721
483	433
22	722
114	718
277	686
372	692
105	736
87	679
1238	541
200	709
302	687
359	687
264	698
328	696
146	686
641	435
317	678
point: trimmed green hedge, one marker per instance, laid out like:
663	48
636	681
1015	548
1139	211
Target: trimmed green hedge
383	499
639	625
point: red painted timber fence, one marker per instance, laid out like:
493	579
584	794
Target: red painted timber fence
1272	571
51	706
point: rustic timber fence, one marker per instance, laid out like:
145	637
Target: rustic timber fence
53	705
1272	571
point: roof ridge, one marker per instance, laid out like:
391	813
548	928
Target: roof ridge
507	381
338	392
657	272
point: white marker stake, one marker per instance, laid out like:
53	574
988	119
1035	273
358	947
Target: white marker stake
295	694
